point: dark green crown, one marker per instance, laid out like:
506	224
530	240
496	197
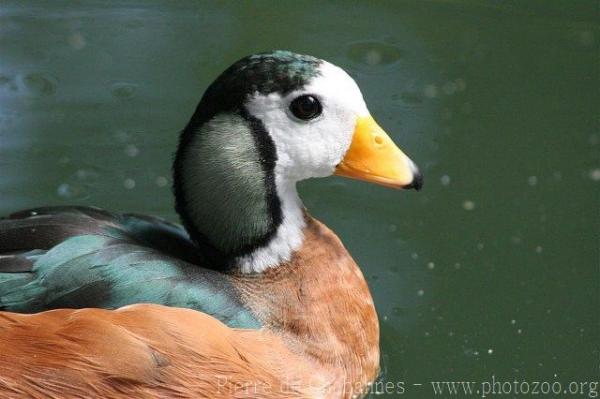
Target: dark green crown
275	72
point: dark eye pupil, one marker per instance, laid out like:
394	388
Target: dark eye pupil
306	107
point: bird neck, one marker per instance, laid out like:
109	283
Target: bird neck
242	215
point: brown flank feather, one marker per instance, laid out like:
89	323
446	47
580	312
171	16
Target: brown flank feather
321	340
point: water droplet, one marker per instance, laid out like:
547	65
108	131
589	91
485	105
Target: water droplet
122	135
129	183
373	53
69	191
532	180
595	174
430	91
421	292
123	90
76	41
131	150
513	322
445	180
161	181
490	351
430	265
468	205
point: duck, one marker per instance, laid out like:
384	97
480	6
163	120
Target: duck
249	297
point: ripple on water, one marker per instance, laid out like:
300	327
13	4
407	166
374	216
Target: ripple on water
79	184
39	84
123	90
373	53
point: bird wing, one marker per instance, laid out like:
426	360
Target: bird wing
76	257
142	351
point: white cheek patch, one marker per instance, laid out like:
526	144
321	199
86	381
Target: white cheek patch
312	148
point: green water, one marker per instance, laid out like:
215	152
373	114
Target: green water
492	270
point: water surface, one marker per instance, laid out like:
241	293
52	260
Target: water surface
492	270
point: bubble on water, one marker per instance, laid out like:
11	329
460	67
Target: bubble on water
66	190
414	255
480	246
39	84
516	239
373	53
457	265
557	175
586	38
490	351
470	352
519	331
461	85
513	322
427	334
76	41
121	135
430	91
595	174
532	180
161	181
421	292
430	265
538	249
445	180
132	150
129	183
449	88
123	90
468	205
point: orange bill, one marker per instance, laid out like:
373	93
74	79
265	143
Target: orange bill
375	158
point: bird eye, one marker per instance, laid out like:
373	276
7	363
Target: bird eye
306	107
